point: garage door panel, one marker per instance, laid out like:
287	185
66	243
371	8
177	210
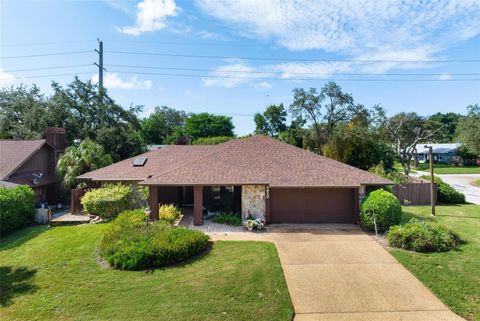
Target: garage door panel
311	205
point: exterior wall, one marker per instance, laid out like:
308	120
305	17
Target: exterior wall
253	201
42	160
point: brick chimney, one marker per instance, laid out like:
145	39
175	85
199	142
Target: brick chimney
57	138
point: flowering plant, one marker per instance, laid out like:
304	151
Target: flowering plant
252	223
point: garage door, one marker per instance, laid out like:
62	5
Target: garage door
311	205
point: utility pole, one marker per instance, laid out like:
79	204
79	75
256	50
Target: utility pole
432	179
100	65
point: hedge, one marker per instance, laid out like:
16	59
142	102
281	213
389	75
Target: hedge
422	236
386	208
446	193
108	201
17	208
131	244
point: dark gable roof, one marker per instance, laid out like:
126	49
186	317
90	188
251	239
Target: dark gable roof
13	153
254	160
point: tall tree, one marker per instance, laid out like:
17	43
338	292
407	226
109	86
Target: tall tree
87	114
449	122
22	113
406	130
468	130
324	110
272	121
208	125
160	125
77	160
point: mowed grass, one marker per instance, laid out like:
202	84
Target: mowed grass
447	169
453	276
53	274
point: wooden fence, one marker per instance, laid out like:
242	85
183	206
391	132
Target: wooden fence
75	205
414	193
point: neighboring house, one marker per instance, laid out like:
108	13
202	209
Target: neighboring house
154	147
257	176
442	153
32	162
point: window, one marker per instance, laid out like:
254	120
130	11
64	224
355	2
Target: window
230	189
216	192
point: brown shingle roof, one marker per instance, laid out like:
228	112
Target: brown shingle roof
158	161
253	160
13	153
263	160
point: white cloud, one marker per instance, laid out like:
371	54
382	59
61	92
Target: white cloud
229	76
264	85
114	81
445	77
362	29
121	5
151	16
187	92
6	78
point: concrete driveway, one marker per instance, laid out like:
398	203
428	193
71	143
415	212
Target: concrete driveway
340	273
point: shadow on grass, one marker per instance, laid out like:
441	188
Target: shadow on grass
15	282
19	237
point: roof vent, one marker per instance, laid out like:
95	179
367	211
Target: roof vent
139	161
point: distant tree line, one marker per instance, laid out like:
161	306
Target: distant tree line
326	121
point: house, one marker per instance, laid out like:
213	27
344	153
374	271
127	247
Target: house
442	153
32	162
257	176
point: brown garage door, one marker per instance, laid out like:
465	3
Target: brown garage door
311	205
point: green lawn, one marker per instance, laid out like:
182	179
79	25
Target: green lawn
52	274
476	183
447	169
453	276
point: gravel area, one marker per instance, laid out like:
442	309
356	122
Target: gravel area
213	228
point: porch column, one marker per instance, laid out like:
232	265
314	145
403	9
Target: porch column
198	205
153	202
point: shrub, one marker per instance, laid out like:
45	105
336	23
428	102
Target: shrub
107	201
422	236
16	208
446	193
130	244
212	140
169	213
228	218
386	208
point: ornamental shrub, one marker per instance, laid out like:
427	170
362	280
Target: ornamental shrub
422	236
17	208
228	218
446	193
385	206
130	244
169	212
108	200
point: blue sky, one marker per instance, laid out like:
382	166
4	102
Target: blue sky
302	43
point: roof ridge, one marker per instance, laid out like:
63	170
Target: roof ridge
201	158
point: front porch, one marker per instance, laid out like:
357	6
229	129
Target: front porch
199	201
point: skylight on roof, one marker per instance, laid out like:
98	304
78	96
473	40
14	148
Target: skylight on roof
139	161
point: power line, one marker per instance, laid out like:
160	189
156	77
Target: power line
285	59
49	54
292	73
55	75
277	78
48	68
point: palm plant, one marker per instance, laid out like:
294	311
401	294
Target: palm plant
77	160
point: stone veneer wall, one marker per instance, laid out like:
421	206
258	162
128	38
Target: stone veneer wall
253	201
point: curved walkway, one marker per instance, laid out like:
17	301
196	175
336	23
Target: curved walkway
337	272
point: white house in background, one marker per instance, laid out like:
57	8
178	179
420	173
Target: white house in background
441	152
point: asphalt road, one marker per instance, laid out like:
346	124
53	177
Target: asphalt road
462	183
